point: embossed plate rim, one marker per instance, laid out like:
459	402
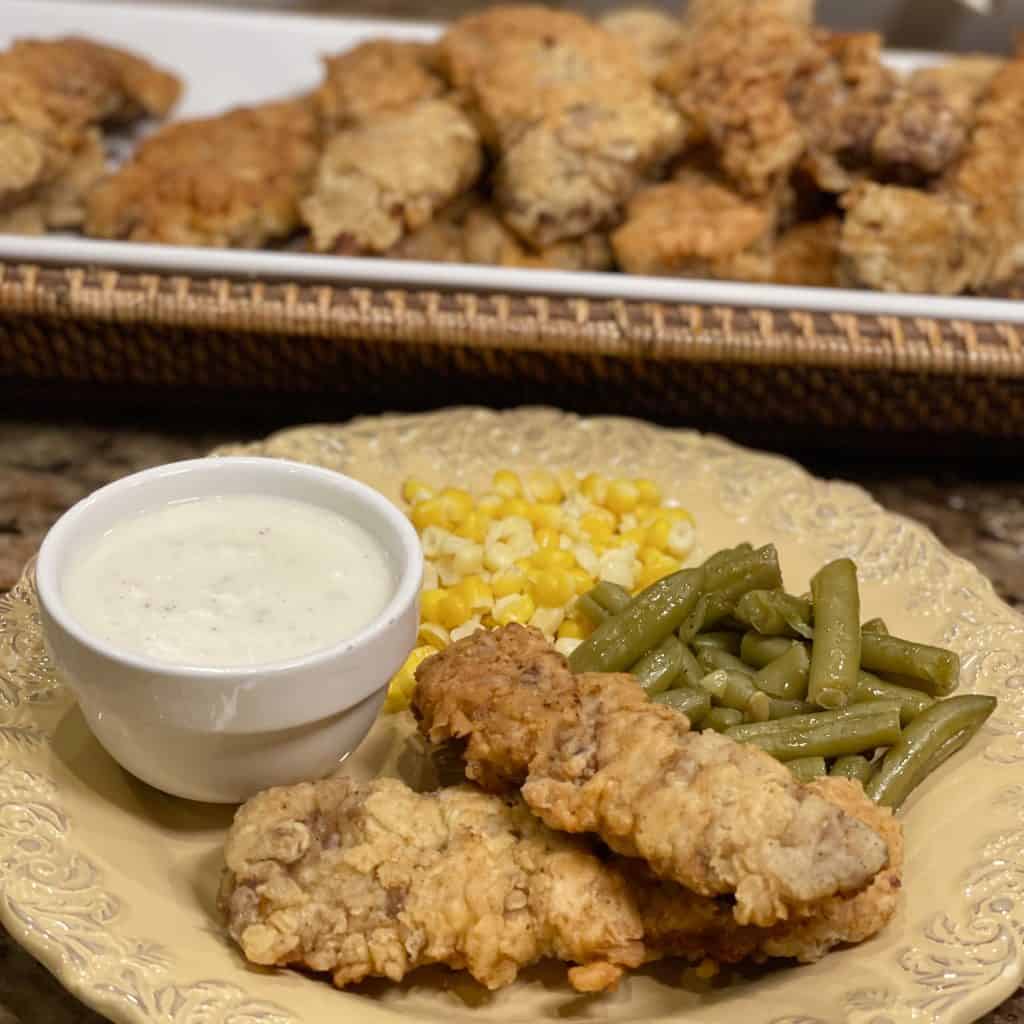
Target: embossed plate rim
136	982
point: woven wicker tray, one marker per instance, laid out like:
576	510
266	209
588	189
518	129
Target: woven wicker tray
416	347
341	335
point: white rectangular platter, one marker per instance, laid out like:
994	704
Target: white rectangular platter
235	57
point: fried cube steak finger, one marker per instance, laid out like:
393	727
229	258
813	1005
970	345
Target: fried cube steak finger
388	176
571	114
55	98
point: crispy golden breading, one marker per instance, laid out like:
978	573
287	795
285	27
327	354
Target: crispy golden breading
603	759
964	235
732	79
378	180
695	229
841	107
680	923
807	254
233	180
574	118
652	35
927	122
375	77
54	96
898	239
100	84
700	13
470	231
377	880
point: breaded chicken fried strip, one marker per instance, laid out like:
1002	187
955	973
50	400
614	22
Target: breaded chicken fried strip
230	181
377	880
55	97
470	231
390	175
964	235
572	115
680	923
594	755
375	77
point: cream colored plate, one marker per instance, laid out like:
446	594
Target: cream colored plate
111	884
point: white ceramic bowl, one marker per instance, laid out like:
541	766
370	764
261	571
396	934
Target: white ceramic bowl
222	734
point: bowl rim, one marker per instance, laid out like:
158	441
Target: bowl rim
53	553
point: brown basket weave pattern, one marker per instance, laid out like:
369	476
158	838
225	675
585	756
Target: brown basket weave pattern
408	347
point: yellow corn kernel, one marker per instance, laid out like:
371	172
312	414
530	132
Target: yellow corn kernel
652	556
543	486
489	504
645	513
622	497
432	512
542	514
595	487
649	492
430	604
547	539
637	536
657	533
582	579
571	629
507	484
598	525
430	633
403	683
452	611
568	480
552	558
458	503
512	581
415	490
476	592
474	526
553	588
514	507
655	568
514	608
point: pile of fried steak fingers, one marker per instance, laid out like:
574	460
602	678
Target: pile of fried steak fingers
597	829
740	141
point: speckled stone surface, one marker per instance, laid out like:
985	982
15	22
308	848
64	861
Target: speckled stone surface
975	507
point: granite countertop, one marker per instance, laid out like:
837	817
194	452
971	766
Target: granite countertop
976	508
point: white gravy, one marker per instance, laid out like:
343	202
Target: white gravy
229	581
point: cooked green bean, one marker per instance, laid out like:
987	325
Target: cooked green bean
786	676
658	670
623	639
610	596
723	639
778	708
690	674
735	690
775	613
852	766
691	625
875	626
835	652
721	719
817	719
695	704
591	610
910	759
911	702
807	768
714	563
712	658
727	581
933	669
843	735
758	651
